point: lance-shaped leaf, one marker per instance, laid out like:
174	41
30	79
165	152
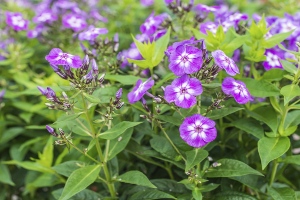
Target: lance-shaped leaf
135	177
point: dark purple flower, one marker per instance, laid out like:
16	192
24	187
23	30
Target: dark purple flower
185	60
225	62
73	21
47	16
16	21
237	89
92	33
139	90
183	91
197	130
58	57
273	59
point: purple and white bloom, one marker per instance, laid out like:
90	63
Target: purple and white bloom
183	91
58	57
16	21
147	2
237	89
36	32
225	62
73	21
273	59
47	16
151	24
92	33
198	130
210	26
139	90
185	60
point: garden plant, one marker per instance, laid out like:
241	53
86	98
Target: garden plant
164	99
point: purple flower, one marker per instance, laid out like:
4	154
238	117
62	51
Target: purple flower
183	91
2	93
273	59
139	90
197	130
58	57
92	33
225	62
151	24
96	15
147	2
16	21
51	131
47	16
119	93
185	59
75	22
168	1
210	26
237	89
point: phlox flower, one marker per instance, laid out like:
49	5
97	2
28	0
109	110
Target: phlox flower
92	33
197	130
58	57
183	91
273	59
225	62
139	90
73	21
16	21
237	89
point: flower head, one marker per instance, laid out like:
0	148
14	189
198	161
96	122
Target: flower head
151	24
185	59
92	33
197	130
47	16
237	89
139	90
16	21
273	59
183	91
73	21
58	57
225	62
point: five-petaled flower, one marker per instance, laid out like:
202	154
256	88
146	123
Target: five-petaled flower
237	89
197	130
273	59
185	59
73	21
139	90
16	21
183	91
92	33
225	62
58	57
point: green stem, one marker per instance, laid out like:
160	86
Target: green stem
169	139
273	174
109	183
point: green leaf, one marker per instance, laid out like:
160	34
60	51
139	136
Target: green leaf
231	168
91	98
282	193
291	160
289	67
250	126
273	75
151	194
118	144
79	180
34	166
289	92
5	175
197	194
84	194
46	157
68	167
276	39
166	78
292	52
135	177
228	195
198	34
234	44
260	88
271	148
292	119
288	131
160	46
141	63
194	157
252	181
117	130
124	79
219	113
66	117
170	119
145	49
163	146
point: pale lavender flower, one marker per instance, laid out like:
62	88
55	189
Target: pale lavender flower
139	90
58	57
119	93
47	16
273	59
208	26
237	89
16	21
92	33
73	21
185	59
36	32
197	130
183	91
147	2
96	15
225	62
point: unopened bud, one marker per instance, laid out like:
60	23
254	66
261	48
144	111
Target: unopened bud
51	131
119	93
95	67
120	104
101	79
